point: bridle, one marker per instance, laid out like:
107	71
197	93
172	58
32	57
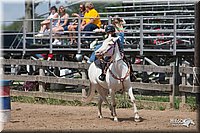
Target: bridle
113	61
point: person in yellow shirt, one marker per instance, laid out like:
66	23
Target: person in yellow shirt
91	19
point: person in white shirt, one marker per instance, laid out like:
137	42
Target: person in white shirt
45	25
62	24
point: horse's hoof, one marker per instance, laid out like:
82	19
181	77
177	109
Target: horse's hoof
137	119
100	116
115	119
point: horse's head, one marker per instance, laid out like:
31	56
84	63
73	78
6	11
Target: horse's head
107	47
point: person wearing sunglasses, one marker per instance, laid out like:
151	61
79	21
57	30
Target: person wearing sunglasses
74	25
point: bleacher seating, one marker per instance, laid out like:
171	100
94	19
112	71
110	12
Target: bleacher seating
158	18
155	23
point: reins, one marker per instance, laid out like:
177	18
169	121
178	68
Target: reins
121	79
112	74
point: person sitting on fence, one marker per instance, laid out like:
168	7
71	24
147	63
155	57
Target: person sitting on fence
74	25
91	20
45	25
62	24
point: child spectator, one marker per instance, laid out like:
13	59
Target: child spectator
118	24
62	24
45	25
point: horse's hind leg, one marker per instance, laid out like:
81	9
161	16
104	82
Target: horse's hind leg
137	117
103	94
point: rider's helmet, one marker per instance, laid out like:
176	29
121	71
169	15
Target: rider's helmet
109	28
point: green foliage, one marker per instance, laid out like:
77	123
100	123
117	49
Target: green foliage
192	102
15	26
161	108
99	6
123	101
22	99
49	101
177	102
153	98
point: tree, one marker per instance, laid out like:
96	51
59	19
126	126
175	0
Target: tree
28	15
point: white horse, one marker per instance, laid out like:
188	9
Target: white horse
117	78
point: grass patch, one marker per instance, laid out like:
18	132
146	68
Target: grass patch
123	101
49	101
153	98
191	101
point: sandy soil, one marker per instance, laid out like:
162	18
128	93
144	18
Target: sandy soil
38	117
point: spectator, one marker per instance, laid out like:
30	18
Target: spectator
118	24
62	24
45	25
81	11
91	19
74	25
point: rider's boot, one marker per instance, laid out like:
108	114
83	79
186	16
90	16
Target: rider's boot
102	77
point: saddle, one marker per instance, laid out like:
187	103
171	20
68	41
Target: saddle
103	64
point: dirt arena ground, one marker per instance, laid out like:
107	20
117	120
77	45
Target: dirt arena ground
40	117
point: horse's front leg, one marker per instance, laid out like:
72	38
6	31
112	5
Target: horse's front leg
113	104
136	117
103	93
99	107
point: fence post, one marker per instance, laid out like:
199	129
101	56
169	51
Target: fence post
183	95
41	84
171	96
174	81
84	76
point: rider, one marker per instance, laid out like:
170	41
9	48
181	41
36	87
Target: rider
110	30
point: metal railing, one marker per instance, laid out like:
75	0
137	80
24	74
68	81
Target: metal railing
137	32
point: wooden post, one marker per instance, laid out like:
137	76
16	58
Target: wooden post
183	94
84	76
41	84
197	49
171	96
174	82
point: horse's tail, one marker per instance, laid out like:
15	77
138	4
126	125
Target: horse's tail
90	95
